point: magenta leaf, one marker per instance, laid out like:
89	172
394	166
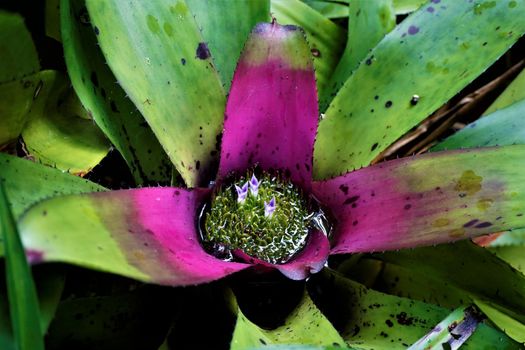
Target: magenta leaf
271	115
309	261
147	234
425	200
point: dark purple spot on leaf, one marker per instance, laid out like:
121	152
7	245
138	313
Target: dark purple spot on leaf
470	223
413	30
351	200
344	189
408	206
484	224
202	51
403	319
388	104
374	146
183	61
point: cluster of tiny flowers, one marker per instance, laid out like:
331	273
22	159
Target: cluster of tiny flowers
253	185
245	216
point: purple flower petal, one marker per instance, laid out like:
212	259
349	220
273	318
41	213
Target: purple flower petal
254	185
242	192
148	234
424	200
269	207
271	115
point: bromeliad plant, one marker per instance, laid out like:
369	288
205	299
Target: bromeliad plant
286	194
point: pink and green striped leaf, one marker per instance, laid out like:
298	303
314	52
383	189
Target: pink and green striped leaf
310	260
425	200
225	35
271	116
27	183
416	68
147	234
325	38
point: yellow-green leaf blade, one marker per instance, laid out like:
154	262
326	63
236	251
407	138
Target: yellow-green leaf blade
417	67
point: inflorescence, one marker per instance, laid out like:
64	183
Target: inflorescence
265	218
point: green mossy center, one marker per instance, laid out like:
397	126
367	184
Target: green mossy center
230	224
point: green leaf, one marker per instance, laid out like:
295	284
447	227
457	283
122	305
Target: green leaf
106	102
513	254
299	347
126	320
514	93
59	132
416	68
510	326
17	78
452	332
6	331
368	19
329	9
159	57
460	265
503	127
225	26
405	282
27	183
52	19
406	6
23	303
368	319
305	325
16	98
49	281
325	39
425	285
19	57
